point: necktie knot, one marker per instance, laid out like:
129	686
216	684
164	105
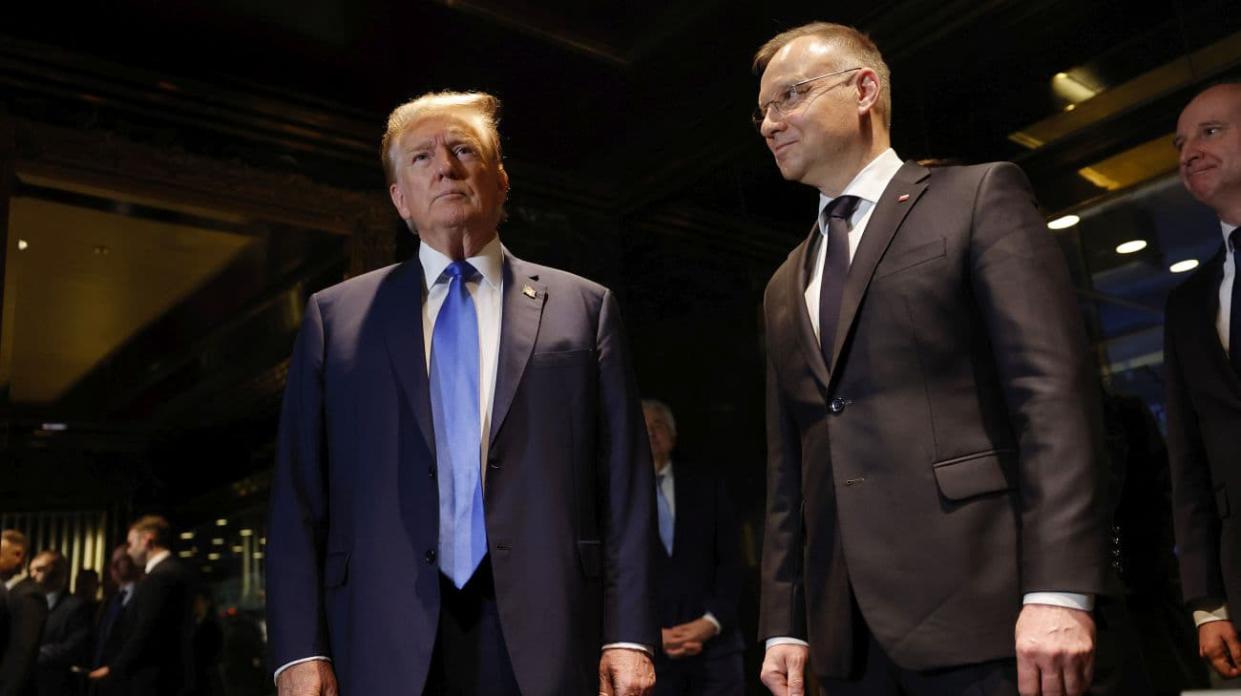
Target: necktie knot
842	207
459	270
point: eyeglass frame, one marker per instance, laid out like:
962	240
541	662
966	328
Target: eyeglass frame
760	112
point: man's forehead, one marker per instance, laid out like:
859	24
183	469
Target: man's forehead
1221	101
439	125
803	57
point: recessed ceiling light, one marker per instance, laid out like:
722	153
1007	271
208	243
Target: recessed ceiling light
221	522
1063	223
1130	247
1182	266
187	535
22	245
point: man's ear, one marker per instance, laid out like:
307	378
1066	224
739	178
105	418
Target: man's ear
398	200
868	89
503	178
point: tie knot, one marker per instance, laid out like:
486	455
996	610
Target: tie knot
842	207
459	270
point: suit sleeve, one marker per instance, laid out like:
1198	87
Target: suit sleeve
27	614
1194	515
626	493
298	523
726	588
1023	292
782	601
72	648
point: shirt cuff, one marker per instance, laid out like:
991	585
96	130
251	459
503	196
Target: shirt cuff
630	646
1208	611
785	640
1068	600
276	676
714	622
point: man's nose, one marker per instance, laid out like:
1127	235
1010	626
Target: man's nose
770	126
446	164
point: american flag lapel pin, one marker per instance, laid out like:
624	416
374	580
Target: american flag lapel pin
902	198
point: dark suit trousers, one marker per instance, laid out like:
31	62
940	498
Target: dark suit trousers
700	675
470	656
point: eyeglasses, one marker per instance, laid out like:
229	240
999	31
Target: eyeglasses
792	97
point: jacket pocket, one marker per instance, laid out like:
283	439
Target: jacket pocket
589	554
336	569
936	249
1221	502
974	474
560	357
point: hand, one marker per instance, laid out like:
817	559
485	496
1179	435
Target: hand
625	672
1055	651
1217	643
310	678
101	673
684	640
784	669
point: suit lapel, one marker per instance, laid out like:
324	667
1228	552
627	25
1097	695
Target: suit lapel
898	199
521	312
399	302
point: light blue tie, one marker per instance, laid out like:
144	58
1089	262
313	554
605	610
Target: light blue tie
666	522
454	407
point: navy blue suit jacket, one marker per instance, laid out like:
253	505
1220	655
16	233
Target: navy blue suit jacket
703	574
569	495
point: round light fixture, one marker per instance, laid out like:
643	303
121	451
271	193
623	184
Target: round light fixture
1064	222
1130	247
1182	266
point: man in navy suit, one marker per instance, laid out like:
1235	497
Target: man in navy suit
66	632
462	500
697	572
1202	348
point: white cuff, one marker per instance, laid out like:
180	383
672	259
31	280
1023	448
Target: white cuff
275	678
1068	600
785	640
1210	613
630	646
714	622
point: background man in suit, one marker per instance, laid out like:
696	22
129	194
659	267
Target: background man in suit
66	633
697	572
932	416
112	626
22	614
463	494
156	657
1202	349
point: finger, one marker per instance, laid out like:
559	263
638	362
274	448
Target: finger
1232	648
1051	682
774	680
1027	676
1075	680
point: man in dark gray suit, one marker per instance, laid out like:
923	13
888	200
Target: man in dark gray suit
933	477
66	633
1202	352
23	610
463	499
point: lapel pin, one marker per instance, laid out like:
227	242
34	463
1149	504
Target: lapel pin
529	292
902	198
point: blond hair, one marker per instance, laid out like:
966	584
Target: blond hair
482	110
850	43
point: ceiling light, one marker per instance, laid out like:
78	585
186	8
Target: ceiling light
1182	266
1131	246
247	532
1063	223
22	245
217	542
221	523
213	556
187	535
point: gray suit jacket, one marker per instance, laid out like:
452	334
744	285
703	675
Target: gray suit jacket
947	462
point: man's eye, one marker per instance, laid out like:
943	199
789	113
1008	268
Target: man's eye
790	96
420	157
1210	130
463	150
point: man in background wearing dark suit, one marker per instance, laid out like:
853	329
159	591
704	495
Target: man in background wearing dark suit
23	610
66	633
156	657
1202	354
112	626
936	522
697	572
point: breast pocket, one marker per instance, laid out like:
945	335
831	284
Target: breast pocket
561	358
912	258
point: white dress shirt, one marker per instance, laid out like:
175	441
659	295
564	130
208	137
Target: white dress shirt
1210	610
12	582
869	185
156	559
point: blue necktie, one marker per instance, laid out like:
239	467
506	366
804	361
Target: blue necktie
665	514
454	406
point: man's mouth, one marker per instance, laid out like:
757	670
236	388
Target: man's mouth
779	148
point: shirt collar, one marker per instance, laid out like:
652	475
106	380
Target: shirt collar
488	263
52	599
12	582
1227	230
870	183
155	559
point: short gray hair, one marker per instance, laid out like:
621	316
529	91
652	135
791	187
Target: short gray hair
664	412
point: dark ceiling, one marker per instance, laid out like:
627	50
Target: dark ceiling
635	110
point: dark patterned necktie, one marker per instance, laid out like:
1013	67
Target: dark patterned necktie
835	270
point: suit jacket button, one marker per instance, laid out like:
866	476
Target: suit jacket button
837	405
430	556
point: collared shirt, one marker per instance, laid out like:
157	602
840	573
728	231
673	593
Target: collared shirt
156	558
127	593
666	481
1223	320
53	598
12	582
486	290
